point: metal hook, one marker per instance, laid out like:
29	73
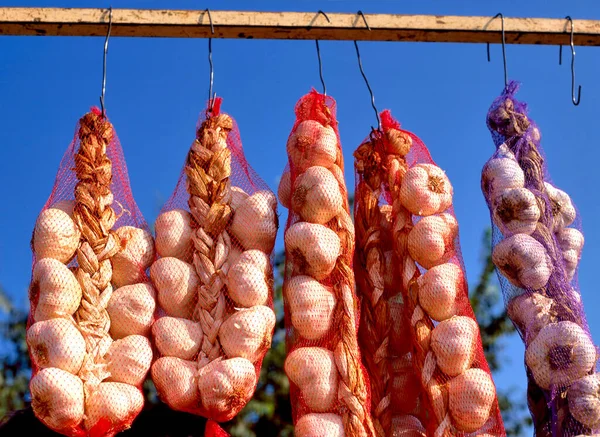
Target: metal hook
320	12
211	97
104	62
575	102
503	46
363	72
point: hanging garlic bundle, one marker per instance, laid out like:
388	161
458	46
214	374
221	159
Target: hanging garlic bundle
537	246
89	322
329	388
214	277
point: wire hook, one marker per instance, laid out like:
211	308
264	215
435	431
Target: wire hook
363	72
104	62
503	46
320	12
575	102
211	97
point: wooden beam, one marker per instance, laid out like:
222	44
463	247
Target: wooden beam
292	25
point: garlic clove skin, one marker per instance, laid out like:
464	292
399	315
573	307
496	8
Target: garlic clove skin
439	289
531	312
561	353
426	190
471	396
311	306
570	241
319	425
56	235
134	257
57	398
407	426
255	222
177	337
584	400
317	197
453	342
284	190
129	359
54	290
237	197
176	382
500	174
131	310
226	386
312	144
176	284
56	343
174	234
523	261
314	371
431	241
515	211
114	402
313	249
247	333
563	211
248	280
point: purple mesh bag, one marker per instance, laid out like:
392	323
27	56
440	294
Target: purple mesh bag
537	244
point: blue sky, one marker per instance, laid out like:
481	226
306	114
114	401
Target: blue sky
157	87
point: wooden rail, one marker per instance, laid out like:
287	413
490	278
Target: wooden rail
293	25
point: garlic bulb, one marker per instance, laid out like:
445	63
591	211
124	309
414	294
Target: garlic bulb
319	425
439	289
563	211
426	190
176	284
57	398
248	280
226	386
561	353
174	234
584	400
54	291
114	402
453	342
515	211
134	257
247	333
398	142
317	196
284	190
56	343
531	312
55	235
523	261
407	426
313	249
313	370
500	174
176	383
431	241
237	197
312	144
570	241
255	222
176	337
311	306
471	396
129	359
131	310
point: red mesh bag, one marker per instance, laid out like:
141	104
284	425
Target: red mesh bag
328	383
92	305
537	243
428	372
214	277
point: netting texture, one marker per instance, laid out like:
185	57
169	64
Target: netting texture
91	301
328	382
214	277
419	336
537	244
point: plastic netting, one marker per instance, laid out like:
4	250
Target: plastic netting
328	384
91	302
419	336
537	243
214	277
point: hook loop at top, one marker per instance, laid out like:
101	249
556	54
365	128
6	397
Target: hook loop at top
362	72
578	100
320	12
211	96
499	15
104	62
